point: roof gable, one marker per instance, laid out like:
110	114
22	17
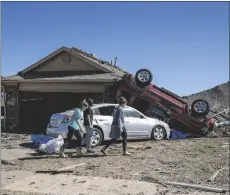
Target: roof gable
65	62
79	54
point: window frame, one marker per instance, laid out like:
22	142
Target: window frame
105	107
133	111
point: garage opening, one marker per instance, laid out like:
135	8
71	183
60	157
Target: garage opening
36	108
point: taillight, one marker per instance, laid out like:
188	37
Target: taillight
65	120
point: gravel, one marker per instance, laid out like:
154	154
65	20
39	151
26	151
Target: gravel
191	161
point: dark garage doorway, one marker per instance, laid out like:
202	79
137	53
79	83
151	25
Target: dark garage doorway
36	108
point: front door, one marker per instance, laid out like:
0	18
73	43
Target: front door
104	119
136	124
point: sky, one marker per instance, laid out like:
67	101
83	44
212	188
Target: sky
184	44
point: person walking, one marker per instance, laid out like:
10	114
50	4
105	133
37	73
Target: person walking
88	123
118	128
74	128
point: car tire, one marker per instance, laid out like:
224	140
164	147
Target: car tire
97	137
158	133
143	77
199	108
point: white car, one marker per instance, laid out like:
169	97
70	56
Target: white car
138	125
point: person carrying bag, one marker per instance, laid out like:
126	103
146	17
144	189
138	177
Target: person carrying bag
118	128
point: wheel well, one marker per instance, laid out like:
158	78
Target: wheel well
100	129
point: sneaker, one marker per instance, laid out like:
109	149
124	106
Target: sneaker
126	153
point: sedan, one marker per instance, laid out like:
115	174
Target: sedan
138	125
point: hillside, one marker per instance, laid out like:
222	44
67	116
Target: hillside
216	96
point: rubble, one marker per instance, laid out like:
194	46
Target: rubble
186	161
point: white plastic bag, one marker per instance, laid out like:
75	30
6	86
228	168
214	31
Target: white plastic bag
52	146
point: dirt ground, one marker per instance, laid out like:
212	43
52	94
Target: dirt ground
190	161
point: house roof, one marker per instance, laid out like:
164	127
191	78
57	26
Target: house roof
105	77
117	70
90	58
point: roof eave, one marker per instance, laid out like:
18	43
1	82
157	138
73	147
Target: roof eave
60	81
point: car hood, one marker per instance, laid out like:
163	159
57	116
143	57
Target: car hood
157	121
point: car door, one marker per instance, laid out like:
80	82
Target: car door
104	119
136	124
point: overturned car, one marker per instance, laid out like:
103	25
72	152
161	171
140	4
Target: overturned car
162	104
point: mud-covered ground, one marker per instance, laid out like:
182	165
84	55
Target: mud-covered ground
191	161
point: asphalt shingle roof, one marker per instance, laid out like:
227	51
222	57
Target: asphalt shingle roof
117	70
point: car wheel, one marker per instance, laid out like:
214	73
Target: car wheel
143	77
200	107
97	137
158	133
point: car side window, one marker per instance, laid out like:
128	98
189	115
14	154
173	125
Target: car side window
131	113
135	114
106	110
96	111
127	112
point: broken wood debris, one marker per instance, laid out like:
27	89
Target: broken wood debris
53	172
71	167
6	162
61	170
198	187
212	178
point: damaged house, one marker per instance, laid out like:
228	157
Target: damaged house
56	83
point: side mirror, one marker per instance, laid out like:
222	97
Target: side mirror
141	117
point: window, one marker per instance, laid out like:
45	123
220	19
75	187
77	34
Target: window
96	111
131	113
127	112
106	110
